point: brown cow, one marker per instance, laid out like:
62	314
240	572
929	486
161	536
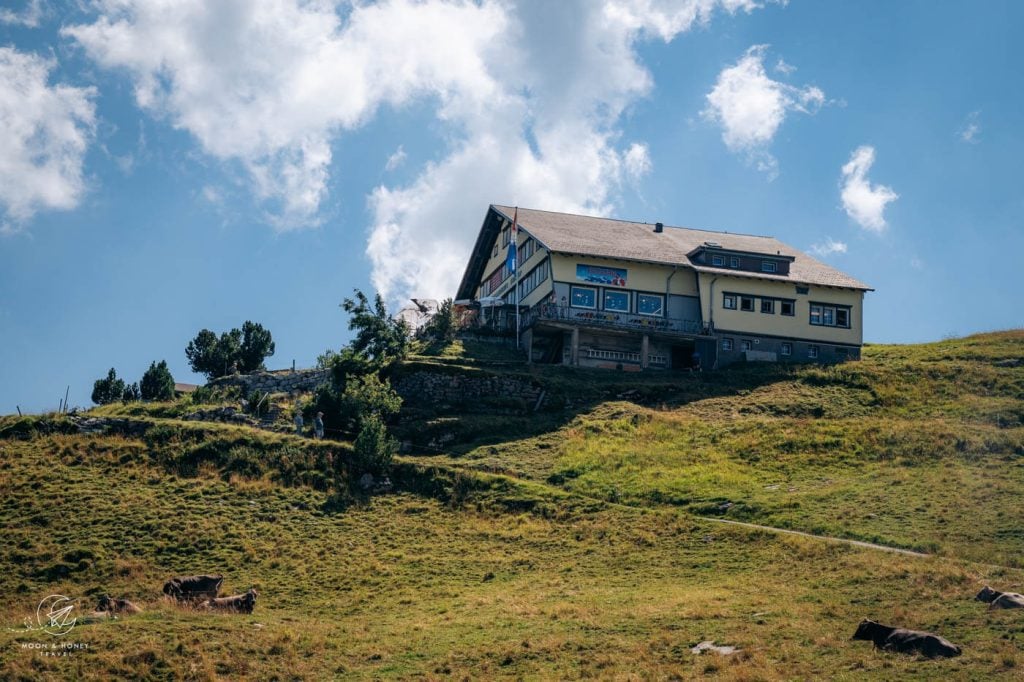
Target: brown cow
905	641
239	603
1000	600
194	587
111	605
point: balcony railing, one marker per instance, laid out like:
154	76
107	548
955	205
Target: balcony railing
605	318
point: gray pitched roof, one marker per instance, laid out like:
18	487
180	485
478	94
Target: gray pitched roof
605	237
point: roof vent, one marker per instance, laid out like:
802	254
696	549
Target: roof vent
658	227
715	245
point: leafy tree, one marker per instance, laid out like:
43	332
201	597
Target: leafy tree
327	359
379	336
157	382
131	394
442	325
373	448
257	345
242	349
107	390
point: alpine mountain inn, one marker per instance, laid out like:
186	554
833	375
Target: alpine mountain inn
599	292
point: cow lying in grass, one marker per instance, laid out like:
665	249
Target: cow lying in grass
111	605
194	588
905	641
239	603
1000	600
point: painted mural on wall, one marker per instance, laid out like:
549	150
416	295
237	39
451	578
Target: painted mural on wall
612	277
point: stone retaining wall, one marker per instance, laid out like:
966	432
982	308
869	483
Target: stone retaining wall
438	389
275	382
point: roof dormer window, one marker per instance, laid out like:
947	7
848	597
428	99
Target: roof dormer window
769	266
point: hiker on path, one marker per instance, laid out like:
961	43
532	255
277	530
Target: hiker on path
299	422
318	426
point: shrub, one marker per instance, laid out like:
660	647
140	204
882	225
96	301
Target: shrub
131	394
108	390
373	448
442	325
157	382
258	404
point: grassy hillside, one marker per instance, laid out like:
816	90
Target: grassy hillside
915	446
571	548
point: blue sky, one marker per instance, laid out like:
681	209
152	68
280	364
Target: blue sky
169	168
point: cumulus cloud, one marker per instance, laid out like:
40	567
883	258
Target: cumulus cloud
29	16
637	160
44	133
862	201
829	247
528	95
750	106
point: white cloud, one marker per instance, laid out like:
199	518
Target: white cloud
971	128
44	133
637	160
828	248
29	16
396	159
528	95
750	106
782	67
862	201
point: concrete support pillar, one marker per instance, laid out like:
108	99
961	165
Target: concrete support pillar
645	346
528	344
575	347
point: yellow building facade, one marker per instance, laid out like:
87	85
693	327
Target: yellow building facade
632	296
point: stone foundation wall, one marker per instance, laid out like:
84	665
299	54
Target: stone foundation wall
439	389
283	381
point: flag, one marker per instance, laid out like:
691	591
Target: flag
510	260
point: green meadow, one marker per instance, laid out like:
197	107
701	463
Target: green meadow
577	539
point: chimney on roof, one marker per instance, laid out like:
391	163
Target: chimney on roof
658	227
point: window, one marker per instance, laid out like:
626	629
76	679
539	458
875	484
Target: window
747	303
768	306
787	307
769	266
526	249
534	278
583	297
803	290
506	236
787	348
826	315
729	302
718	260
812	351
726	344
734	262
616	300
745	345
650	304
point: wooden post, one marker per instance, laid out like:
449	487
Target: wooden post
528	340
645	345
575	347
66	392
19	410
